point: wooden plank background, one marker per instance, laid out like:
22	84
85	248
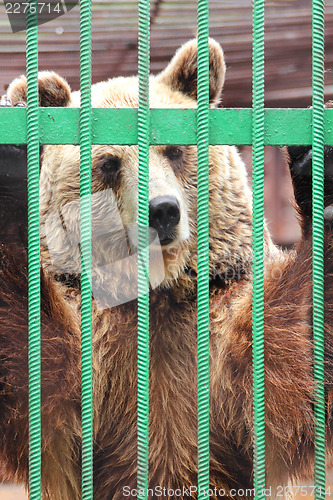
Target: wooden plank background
288	45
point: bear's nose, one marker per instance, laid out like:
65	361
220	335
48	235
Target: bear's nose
164	215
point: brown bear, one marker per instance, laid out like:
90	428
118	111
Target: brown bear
173	311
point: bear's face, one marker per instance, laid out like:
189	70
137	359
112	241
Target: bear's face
172	184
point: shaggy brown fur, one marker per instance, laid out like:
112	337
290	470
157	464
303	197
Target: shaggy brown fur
173	335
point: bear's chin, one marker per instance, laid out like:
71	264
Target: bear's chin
175	257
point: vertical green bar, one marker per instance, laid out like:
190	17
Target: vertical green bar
258	248
86	295
318	239
143	249
203	247
33	255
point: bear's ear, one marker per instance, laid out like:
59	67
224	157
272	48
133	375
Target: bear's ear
182	72
53	90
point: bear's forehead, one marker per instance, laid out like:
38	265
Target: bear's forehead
122	92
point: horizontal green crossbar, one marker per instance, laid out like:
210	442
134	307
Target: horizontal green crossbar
168	126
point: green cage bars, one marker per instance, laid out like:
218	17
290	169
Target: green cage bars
33	259
85	209
257	126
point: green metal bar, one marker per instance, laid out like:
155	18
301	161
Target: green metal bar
143	250
203	248
318	239
33	256
86	294
258	367
168	126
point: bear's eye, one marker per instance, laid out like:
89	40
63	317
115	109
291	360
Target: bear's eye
173	153
111	165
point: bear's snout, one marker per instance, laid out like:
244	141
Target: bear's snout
164	215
